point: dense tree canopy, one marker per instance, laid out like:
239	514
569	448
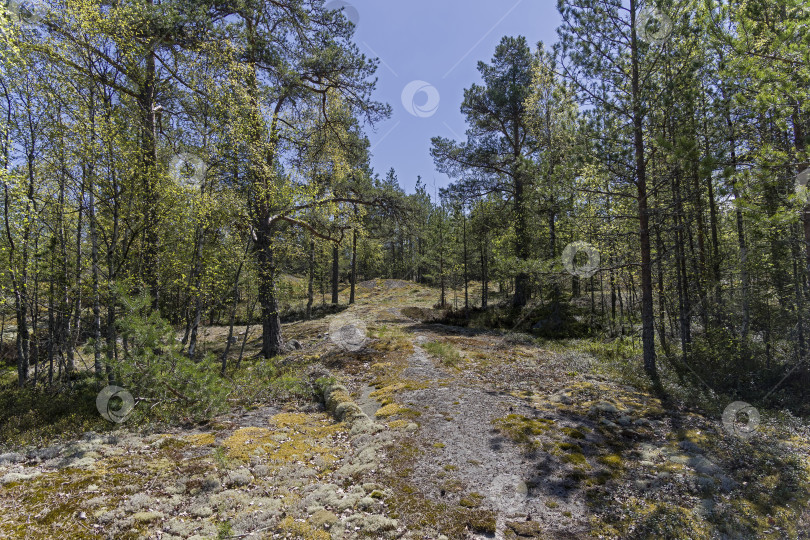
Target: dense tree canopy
206	156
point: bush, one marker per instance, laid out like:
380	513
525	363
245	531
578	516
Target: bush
41	416
154	369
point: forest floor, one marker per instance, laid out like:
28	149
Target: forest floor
463	433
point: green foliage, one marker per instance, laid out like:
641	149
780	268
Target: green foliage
153	367
445	352
39	416
224	530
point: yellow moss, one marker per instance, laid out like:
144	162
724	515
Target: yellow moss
389	410
200	439
381	366
473	500
160	465
289	419
693	435
575	458
385	394
245	441
611	460
302	530
303	437
521	428
398	424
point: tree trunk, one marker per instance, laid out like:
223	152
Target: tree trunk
310	285
684	310
224	359
799	142
647	321
521	297
146	102
251	310
335	274
466	278
484	273
659	248
354	266
195	325
272	342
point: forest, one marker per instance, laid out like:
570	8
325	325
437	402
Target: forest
192	227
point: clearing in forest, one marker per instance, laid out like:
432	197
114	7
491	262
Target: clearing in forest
456	433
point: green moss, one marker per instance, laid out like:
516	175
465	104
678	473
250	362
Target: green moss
573	433
452	485
611	460
473	500
575	458
521	429
570	447
389	410
443	351
482	523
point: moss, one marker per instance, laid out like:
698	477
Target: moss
452	485
473	500
389	410
611	460
482	523
552	504
570	447
390	339
693	435
246	441
573	433
438	445
385	393
601	478
521	429
445	352
303	530
54	499
304	438
146	517
575	458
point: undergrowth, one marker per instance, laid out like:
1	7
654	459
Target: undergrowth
445	352
167	386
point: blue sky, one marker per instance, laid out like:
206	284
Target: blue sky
438	42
